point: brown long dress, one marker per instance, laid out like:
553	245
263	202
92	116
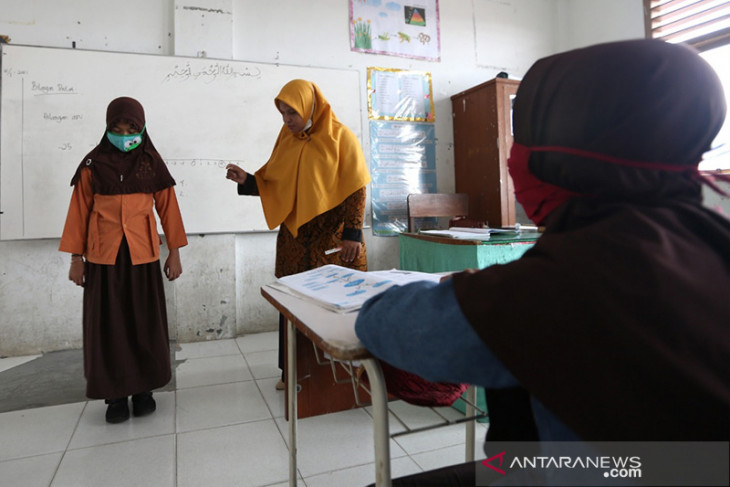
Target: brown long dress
126	339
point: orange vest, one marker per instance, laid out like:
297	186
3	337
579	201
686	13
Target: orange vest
96	223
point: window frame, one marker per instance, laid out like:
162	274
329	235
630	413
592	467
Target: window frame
691	18
685	16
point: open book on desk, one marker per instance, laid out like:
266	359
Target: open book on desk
343	290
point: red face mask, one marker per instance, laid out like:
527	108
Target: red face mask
537	197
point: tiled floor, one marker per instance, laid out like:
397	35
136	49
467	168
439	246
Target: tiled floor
221	424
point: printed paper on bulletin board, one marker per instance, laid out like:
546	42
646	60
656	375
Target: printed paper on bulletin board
396	94
402	161
396	28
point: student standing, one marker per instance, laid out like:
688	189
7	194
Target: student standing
111	233
313	187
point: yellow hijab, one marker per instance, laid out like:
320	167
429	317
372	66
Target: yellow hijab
311	172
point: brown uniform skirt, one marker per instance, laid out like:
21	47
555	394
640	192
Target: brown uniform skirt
126	341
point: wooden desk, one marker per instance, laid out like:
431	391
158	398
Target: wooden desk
334	333
318	392
428	253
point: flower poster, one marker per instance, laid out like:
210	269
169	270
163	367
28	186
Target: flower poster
396	28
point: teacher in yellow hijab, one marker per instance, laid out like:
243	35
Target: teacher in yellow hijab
313	186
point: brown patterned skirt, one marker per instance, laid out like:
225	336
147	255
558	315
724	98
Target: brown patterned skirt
126	341
307	250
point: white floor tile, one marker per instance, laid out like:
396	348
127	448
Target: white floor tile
94	430
362	475
29	472
259	342
334	441
435	439
245	455
149	461
418	417
434	459
414	417
37	431
274	399
10	362
212	370
224	425
219	405
263	365
210	348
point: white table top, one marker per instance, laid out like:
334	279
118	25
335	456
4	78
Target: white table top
331	331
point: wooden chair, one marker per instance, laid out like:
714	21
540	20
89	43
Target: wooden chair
422	205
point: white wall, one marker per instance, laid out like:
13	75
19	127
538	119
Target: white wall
218	294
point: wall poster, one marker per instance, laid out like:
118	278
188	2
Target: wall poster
397	94
402	161
396	28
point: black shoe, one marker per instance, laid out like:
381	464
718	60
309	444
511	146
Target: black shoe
117	410
143	404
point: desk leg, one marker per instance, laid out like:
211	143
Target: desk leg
471	398
379	397
291	385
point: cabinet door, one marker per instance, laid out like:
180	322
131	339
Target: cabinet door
482	118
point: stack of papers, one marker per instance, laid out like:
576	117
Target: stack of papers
467	233
343	290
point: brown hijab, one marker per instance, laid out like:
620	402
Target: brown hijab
140	170
617	320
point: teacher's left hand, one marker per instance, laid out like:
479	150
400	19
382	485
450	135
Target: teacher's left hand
350	250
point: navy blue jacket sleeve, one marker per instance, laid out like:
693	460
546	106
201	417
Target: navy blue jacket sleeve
420	328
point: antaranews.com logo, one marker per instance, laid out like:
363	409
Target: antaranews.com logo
604	464
612	467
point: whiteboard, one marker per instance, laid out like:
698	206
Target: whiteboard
201	114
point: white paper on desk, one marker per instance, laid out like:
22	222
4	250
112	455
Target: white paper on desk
343	290
463	235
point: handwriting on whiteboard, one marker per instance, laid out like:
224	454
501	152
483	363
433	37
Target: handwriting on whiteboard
219	163
211	73
52	89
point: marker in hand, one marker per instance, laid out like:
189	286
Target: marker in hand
332	251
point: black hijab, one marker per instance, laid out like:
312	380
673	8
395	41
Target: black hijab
617	320
140	170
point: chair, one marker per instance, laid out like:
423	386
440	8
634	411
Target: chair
421	205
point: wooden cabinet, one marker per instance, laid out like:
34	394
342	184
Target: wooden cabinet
482	118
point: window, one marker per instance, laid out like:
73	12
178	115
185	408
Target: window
718	157
705	25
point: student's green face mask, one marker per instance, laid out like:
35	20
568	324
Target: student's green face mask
125	143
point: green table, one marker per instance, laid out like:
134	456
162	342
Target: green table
428	253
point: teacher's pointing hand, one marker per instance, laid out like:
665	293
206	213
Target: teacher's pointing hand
235	173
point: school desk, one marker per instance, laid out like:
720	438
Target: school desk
334	334
428	253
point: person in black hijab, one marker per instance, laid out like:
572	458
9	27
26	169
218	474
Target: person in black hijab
111	234
616	322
